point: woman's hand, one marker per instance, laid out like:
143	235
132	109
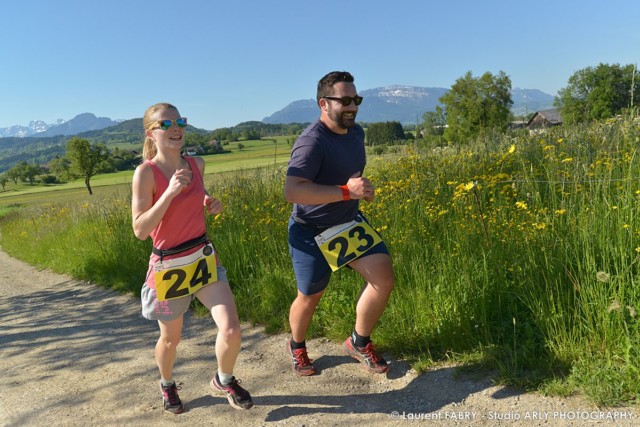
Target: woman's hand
213	206
179	181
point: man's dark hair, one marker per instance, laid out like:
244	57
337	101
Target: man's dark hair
325	85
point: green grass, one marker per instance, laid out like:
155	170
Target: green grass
519	254
255	154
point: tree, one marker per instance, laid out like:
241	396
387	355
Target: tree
477	105
250	134
18	171
222	134
3	181
25	171
13	174
122	160
433	122
86	159
598	93
384	133
195	140
60	167
29	172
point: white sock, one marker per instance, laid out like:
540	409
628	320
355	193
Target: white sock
167	382
225	379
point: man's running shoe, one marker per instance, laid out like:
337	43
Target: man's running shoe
302	365
170	399
366	355
238	397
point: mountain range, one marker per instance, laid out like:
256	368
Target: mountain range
80	123
405	104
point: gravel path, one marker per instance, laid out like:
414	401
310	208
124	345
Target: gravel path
74	354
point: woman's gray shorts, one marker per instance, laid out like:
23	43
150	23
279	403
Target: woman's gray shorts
153	309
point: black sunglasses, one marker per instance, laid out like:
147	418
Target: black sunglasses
346	100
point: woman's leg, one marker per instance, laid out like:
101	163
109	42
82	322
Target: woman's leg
218	298
166	347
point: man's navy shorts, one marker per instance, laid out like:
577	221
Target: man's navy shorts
311	268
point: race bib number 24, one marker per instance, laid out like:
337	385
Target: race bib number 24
179	277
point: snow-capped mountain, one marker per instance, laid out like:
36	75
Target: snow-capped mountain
34	127
389	103
80	123
405	104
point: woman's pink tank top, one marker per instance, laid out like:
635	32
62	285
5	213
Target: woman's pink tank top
184	219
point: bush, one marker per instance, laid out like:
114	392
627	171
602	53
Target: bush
48	179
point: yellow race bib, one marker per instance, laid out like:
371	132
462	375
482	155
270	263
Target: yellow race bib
347	242
179	277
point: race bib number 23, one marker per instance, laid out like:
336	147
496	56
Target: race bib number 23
179	277
347	242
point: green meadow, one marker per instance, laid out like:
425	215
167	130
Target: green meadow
516	254
253	154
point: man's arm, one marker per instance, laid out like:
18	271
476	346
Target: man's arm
306	192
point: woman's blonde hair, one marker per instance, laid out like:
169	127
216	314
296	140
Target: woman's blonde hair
149	149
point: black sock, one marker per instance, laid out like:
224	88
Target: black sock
297	345
360	341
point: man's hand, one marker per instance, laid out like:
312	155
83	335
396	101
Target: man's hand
360	187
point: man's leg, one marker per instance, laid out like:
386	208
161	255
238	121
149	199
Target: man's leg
377	271
301	313
300	316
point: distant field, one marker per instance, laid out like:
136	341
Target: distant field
254	154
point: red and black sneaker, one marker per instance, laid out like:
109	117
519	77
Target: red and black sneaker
238	397
366	355
302	365
170	399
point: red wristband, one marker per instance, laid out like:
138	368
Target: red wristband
345	192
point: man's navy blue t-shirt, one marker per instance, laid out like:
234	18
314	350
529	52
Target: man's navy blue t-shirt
327	158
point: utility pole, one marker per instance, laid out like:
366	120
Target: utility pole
633	79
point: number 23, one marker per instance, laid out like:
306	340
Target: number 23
356	232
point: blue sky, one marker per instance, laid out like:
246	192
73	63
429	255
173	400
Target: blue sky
223	63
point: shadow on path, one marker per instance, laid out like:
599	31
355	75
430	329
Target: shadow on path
424	394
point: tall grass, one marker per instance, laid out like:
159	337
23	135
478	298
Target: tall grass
518	250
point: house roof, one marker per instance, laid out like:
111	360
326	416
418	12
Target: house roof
551	116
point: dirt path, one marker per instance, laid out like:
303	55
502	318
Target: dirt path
75	354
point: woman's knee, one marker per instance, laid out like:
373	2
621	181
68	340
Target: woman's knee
169	341
230	332
170	332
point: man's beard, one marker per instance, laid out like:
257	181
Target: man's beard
344	122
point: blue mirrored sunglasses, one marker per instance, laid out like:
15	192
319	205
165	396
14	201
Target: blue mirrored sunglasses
166	124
